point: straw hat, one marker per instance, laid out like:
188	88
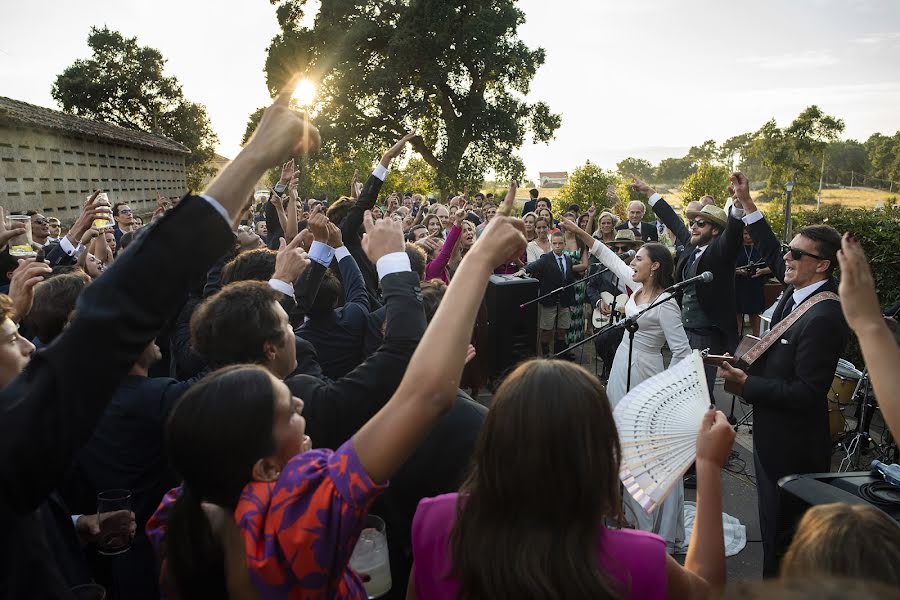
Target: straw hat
625	236
714	214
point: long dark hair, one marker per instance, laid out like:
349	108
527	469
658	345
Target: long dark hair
665	275
215	435
544	478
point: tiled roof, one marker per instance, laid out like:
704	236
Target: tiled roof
29	115
554	174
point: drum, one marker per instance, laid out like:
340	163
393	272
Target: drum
837	423
846	376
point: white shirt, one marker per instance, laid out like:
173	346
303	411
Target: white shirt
801	294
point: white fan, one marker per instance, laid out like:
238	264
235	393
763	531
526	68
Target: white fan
658	423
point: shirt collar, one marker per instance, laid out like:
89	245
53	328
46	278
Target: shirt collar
801	294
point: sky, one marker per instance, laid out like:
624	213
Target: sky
643	78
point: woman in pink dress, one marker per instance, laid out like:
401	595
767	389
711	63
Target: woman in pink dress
537	516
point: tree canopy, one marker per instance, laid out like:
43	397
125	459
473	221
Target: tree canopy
586	187
707	180
637	167
456	72
123	84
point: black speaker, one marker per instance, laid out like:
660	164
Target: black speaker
511	331
858	487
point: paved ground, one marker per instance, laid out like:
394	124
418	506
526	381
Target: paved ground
738	487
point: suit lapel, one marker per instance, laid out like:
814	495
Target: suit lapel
776	315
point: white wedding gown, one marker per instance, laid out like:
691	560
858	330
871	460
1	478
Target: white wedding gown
657	327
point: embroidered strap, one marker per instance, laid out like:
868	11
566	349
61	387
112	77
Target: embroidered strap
776	332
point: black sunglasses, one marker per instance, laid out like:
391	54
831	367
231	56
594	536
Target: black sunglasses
698	222
797	253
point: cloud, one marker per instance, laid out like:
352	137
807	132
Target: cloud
874	39
802	60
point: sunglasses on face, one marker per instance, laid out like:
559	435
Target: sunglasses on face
41	222
700	223
797	253
126	211
620	248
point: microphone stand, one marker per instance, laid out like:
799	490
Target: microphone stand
630	324
559	289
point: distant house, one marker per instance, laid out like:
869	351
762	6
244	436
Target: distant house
52	161
554	179
217	162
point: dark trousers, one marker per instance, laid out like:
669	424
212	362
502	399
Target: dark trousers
778	517
606	346
711	338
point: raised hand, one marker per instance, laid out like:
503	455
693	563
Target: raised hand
161	201
354	191
395	150
89	236
283	131
591	211
857	289
715	439
318	224
8	232
90	210
502	240
382	237
306	239
335	237
290	261
739	187
287	172
642	188
611	193
429	244
460	215
28	274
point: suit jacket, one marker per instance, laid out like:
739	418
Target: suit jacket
350	232
649	232
50	410
529	206
338	335
716	297
788	385
335	410
547	270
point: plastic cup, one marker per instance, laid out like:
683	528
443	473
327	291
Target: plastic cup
370	558
114	510
20	245
89	591
101	223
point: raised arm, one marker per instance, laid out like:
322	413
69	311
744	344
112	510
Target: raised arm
863	314
505	209
704	567
663	211
436	267
432	378
763	237
604	255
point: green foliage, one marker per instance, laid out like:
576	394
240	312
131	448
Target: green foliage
732	148
877	230
637	167
843	159
456	72
586	187
674	170
706	152
883	153
123	84
707	180
794	153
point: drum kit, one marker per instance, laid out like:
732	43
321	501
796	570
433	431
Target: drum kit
851	388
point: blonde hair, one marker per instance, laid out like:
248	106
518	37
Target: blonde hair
857	541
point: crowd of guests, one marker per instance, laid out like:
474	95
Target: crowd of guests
260	378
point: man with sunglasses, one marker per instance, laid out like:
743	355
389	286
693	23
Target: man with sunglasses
124	218
788	384
711	243
40	228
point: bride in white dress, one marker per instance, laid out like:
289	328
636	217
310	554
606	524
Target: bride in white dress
651	271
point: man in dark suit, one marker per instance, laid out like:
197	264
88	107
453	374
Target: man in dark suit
531	204
50	409
788	384
643	231
711	244
554	269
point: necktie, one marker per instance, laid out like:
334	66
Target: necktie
562	266
788	307
637	232
690	261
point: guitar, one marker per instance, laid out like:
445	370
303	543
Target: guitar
745	345
598	319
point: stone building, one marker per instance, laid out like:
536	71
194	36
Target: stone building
51	161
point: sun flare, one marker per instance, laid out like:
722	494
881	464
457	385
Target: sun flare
304	93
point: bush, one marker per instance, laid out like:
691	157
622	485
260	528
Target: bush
878	230
707	180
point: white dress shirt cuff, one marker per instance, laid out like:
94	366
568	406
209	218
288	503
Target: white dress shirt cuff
341	253
75	519
737	213
752	217
654	199
282	286
380	171
321	253
66	246
395	262
219	208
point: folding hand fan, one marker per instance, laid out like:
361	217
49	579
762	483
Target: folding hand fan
658	423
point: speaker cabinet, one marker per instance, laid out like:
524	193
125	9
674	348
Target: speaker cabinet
511	331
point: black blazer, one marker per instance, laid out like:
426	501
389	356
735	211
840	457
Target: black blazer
350	232
50	410
335	410
649	232
788	385
530	206
716	297
547	270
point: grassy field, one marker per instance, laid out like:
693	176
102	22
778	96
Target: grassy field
856	197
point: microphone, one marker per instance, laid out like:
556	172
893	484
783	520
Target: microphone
704	277
627	255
